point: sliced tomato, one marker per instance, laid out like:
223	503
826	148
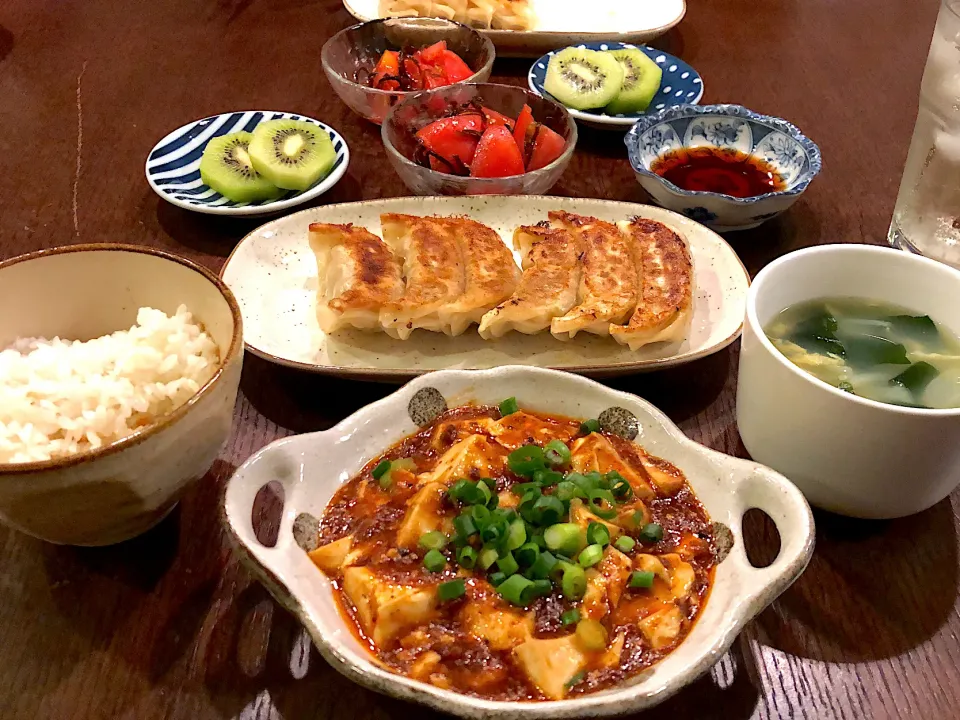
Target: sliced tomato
387	66
451	137
413	71
520	129
497	154
547	146
454	67
430	55
433	79
495	118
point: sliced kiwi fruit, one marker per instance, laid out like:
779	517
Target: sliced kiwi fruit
641	80
292	154
225	166
583	79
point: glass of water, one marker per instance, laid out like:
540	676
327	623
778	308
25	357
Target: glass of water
926	218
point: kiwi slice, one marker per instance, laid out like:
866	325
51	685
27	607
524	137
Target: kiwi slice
641	80
225	166
291	154
583	79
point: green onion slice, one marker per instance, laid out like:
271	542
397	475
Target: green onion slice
452	590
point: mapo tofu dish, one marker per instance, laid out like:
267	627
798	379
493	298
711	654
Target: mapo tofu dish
512	555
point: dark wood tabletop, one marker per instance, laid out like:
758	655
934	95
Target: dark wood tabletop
170	625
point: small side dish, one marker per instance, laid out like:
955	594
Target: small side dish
514	555
875	350
62	397
476	141
485	14
633	281
408	69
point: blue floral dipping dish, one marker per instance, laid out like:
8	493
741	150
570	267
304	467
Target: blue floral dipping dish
732	129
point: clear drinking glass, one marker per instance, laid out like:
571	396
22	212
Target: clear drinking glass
926	218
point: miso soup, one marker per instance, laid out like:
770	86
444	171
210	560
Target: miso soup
871	349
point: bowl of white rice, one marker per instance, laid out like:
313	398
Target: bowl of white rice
119	369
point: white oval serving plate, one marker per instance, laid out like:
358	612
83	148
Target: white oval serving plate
273	274
311	467
173	166
566	22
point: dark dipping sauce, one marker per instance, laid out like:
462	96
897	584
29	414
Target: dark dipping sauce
468	663
718	170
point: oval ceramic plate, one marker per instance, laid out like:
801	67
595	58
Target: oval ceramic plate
563	22
273	274
311	467
680	85
173	166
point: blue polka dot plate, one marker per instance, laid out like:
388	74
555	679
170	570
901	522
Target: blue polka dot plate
173	166
681	85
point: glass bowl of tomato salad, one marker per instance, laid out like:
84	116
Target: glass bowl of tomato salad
479	139
374	65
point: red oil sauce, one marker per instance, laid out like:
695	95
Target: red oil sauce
711	169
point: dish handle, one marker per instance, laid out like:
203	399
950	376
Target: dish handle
786	506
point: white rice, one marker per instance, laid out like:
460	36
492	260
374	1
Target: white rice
59	397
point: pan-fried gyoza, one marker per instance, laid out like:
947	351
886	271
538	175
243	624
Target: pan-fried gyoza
633	281
512	555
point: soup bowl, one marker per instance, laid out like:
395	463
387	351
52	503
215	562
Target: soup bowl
847	454
310	469
120	489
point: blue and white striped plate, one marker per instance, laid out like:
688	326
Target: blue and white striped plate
173	166
681	85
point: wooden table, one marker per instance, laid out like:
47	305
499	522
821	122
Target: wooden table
169	625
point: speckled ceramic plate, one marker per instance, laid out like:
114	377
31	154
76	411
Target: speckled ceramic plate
273	274
311	467
564	22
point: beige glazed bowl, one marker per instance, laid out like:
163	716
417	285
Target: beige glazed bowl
118	491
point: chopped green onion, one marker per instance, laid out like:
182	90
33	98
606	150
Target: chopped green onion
641	579
464	525
483	494
651	533
385	481
527	554
433	540
507	564
517	590
434	561
601	504
460	490
381	469
525	461
567	491
467	557
636	520
547	510
569	617
547	478
590	556
509	407
480	515
557	454
537	539
846	387
575	680
566	538
494	531
527	502
589	426
598	534
592	634
496	578
619	486
487	557
542	587
521	489
451	590
573	581
625	543
516	534
489	482
584	484
542	566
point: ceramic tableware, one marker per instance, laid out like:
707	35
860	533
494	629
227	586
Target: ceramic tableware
274	276
310	468
847	454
